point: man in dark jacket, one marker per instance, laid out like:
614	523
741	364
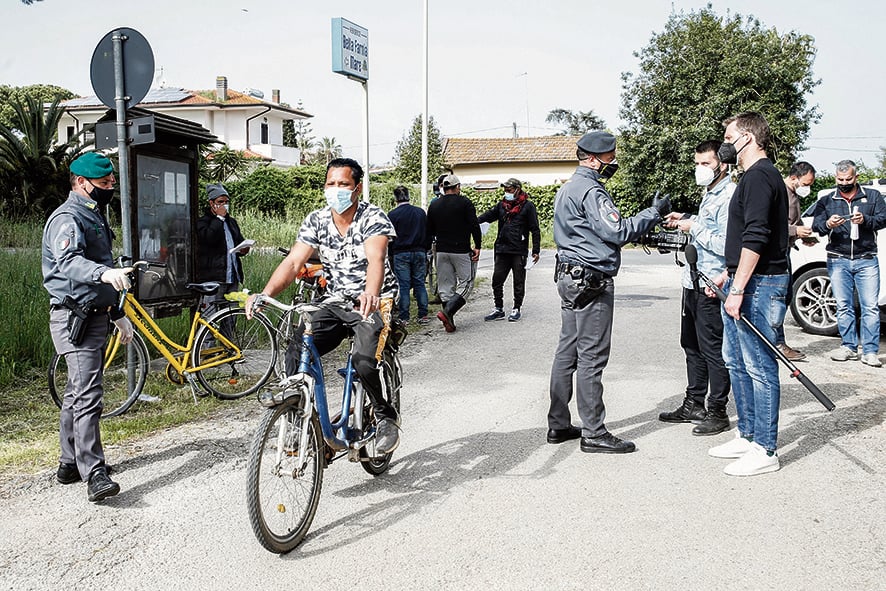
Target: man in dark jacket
850	217
218	234
410	253
517	220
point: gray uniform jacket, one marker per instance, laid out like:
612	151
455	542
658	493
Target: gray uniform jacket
76	251
588	228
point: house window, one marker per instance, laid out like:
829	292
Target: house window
71	131
264	133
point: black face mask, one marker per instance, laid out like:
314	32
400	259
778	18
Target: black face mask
608	169
728	154
846	189
101	196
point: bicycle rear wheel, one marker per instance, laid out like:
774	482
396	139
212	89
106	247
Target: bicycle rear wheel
258	348
392	374
280	498
117	398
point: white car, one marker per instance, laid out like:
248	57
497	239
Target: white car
812	304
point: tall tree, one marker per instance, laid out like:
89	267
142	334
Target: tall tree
44	93
33	166
408	153
328	149
702	69
575	122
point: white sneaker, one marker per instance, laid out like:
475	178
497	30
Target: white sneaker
733	449
871	359
844	353
755	461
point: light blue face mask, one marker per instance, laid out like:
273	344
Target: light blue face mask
510	196
338	199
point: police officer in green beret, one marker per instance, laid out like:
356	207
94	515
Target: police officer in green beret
83	285
589	232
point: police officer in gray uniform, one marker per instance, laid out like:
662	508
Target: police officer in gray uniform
79	274
589	232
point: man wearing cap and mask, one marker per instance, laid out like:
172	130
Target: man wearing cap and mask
452	222
799	185
410	253
517	221
589	232
83	285
217	234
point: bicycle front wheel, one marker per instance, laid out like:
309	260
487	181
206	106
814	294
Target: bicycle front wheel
281	497
117	397
258	349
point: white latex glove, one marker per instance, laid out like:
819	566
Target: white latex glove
124	326
119	278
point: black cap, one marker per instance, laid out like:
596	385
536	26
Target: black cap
597	142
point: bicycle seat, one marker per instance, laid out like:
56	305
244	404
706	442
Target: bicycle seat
205	288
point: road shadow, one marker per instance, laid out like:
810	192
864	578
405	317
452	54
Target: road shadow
425	477
203	454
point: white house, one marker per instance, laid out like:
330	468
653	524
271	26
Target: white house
242	120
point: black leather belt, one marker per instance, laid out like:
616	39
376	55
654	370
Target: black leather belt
91	312
868	256
578	272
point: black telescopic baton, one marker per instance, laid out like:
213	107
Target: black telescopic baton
692	259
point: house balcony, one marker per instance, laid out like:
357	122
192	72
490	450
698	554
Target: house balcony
281	156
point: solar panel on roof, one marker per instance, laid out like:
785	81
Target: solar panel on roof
165	95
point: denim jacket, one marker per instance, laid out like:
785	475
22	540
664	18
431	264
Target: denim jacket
871	205
708	231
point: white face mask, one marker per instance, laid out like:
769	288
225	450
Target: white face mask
704	175
803	191
338	199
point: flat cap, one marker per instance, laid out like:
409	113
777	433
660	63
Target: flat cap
450	180
92	165
214	191
512	183
597	142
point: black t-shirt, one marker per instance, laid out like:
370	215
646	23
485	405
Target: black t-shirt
758	220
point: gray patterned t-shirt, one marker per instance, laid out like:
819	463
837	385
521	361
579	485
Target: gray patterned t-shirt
344	257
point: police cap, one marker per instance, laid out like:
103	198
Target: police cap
597	142
92	165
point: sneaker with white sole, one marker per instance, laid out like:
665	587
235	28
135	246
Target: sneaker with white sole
755	461
871	359
844	353
496	314
515	315
731	450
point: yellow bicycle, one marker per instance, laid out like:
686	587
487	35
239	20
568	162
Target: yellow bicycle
225	355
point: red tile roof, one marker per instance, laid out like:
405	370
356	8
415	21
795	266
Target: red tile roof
554	148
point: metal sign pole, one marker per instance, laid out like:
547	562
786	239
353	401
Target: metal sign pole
120	99
366	140
424	118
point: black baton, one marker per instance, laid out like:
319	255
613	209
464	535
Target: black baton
692	259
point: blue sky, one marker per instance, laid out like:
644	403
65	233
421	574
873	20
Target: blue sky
492	63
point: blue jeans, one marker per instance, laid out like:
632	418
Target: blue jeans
753	368
864	276
410	268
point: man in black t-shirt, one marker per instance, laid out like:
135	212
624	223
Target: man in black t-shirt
756	279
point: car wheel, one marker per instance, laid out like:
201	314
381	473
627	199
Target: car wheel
813	305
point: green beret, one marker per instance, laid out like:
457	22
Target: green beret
92	165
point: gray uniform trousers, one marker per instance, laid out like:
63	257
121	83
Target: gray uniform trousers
583	350
82	405
454	275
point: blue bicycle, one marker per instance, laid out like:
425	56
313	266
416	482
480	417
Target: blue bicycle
297	439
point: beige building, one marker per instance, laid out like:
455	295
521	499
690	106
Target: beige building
485	163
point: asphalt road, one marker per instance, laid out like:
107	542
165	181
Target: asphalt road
475	497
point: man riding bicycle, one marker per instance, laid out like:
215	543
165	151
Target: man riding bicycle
352	238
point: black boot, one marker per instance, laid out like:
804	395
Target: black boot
447	314
715	422
688	412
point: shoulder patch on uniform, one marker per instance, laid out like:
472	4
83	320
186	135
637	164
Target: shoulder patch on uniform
64	243
90	204
613	217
